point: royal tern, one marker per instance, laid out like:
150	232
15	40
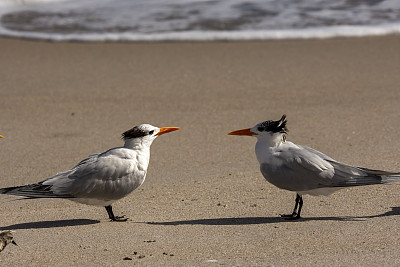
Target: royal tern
103	178
302	169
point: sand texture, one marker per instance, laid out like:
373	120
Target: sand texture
204	201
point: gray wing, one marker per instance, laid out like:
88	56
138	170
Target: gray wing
348	175
45	189
38	190
100	176
302	168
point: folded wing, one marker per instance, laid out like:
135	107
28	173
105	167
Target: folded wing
302	168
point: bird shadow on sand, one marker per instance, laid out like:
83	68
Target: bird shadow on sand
395	211
266	220
223	221
247	221
49	224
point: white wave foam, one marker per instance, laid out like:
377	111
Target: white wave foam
311	33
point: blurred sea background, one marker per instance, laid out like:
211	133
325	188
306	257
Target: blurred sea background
201	20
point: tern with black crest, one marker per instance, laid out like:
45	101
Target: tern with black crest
302	169
101	179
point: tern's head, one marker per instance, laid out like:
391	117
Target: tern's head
271	131
145	134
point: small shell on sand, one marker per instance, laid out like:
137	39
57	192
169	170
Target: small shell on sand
6	237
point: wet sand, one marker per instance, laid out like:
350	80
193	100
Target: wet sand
204	202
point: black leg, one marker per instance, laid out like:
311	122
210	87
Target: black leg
300	206
296	212
114	218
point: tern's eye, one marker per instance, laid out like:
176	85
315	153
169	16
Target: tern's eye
151	132
260	129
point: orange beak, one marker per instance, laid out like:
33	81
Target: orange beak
1	136
164	130
242	132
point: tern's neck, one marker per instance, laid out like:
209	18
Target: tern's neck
271	141
138	144
266	145
141	149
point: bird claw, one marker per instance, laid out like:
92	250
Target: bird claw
293	216
119	219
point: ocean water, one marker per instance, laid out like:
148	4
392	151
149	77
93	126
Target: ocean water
201	20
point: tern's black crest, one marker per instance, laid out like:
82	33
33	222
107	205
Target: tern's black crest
135	132
274	126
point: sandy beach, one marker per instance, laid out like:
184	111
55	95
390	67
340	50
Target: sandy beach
204	201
